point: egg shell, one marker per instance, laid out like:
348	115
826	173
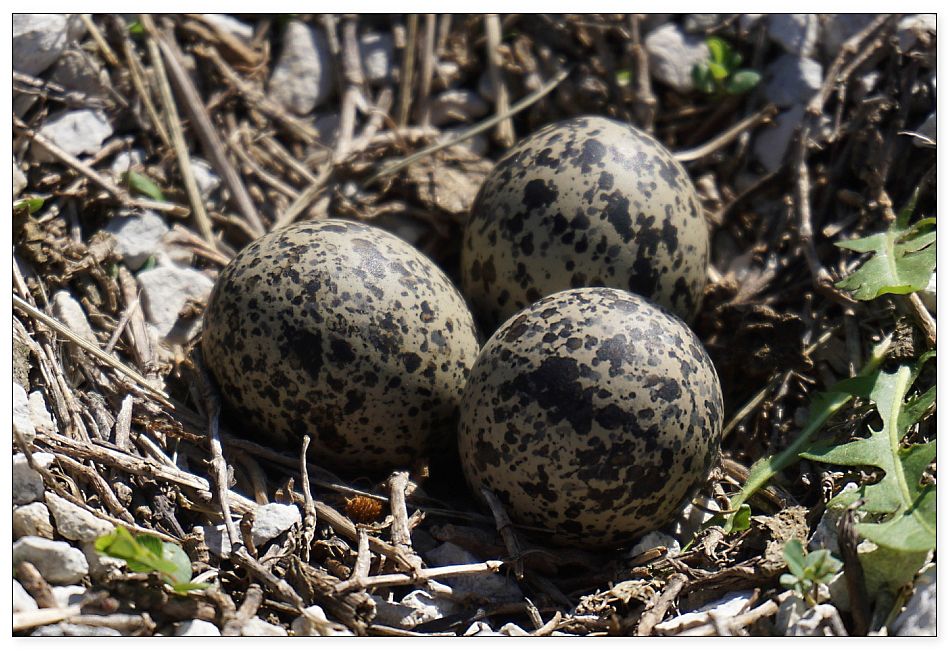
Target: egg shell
593	413
584	202
342	331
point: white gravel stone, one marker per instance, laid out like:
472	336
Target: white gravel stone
492	586
42	420
58	562
726	607
126	160
673	53
910	29
377	52
457	106
32	519
793	80
304	626
796	33
22	600
71	629
74	523
771	144
39	39
76	132
428	607
699	23
165	289
196	627
22	422
19	179
303	75
27	482
481	628
138	236
820	620
919	617
69	595
271	520
653	540
510	629
205	177
258	627
69	311
242	30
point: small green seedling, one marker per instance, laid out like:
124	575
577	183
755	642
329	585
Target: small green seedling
144	553
808	571
142	184
721	75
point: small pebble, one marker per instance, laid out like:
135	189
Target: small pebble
796	33
32	519
22	423
58	562
74	523
794	80
196	627
22	600
42	420
165	290
138	236
457	106
303	75
39	39
27	482
258	627
672	55
76	132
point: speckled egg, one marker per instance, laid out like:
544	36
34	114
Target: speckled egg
592	413
582	203
345	332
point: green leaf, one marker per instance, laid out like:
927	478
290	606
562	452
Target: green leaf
175	555
906	508
143	185
702	78
718	50
823	406
794	556
624	77
733	60
32	205
789	581
183	587
904	258
718	71
742	82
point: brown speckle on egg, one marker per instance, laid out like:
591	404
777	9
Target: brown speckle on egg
593	413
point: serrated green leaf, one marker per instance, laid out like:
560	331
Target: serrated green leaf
898	497
904	258
742	82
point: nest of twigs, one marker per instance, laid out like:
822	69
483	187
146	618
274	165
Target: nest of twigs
140	443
